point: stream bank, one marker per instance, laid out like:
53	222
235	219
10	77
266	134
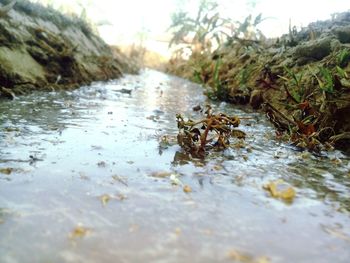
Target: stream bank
301	80
41	49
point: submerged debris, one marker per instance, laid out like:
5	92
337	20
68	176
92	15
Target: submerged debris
6	171
79	232
212	132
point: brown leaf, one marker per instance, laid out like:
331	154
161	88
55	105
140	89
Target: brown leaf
187	189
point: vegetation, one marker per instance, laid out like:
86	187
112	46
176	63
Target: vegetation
306	98
212	132
209	29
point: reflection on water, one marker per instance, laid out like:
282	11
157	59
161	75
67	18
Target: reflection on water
77	183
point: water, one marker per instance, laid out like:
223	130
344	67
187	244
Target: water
83	183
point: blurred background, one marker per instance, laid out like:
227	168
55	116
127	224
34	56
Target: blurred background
146	23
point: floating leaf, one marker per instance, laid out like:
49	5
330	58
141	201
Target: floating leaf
161	174
105	199
279	189
242	257
79	232
239	256
7	171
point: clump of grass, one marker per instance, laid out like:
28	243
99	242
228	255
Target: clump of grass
294	86
343	58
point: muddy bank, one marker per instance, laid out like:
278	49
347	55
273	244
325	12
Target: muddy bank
300	80
43	49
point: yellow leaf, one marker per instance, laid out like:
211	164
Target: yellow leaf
288	194
105	199
279	189
79	232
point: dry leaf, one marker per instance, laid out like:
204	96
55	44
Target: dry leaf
239	256
7	171
242	257
105	199
279	189
187	189
79	232
161	174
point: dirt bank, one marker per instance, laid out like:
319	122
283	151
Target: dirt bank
43	49
302	80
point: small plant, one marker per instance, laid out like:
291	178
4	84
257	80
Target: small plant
343	58
294	81
212	132
326	82
219	89
341	72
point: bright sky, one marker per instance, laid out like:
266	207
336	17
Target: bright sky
130	19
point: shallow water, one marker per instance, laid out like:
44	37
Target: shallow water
84	183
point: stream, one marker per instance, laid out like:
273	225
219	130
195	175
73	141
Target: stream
85	176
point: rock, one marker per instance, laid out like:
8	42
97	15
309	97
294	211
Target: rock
48	45
315	49
343	34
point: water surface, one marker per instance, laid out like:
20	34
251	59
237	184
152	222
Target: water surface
80	182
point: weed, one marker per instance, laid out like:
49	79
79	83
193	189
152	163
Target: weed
343	58
212	132
326	82
294	81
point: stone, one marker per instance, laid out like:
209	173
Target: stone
315	49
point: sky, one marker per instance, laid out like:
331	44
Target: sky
131	20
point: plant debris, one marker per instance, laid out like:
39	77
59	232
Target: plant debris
6	171
105	199
79	232
238	256
212	132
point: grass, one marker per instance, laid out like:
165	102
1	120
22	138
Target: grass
343	58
